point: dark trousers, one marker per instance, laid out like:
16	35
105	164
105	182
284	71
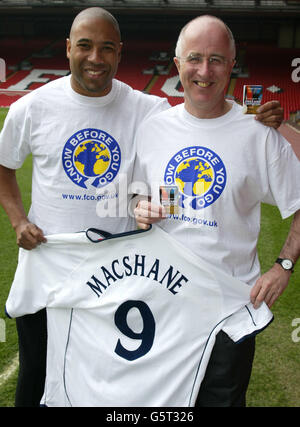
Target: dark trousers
228	373
32	333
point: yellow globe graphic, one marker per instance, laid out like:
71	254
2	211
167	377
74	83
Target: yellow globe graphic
194	176
92	158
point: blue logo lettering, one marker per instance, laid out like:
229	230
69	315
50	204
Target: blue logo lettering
91	157
199	174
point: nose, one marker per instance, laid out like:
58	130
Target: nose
204	67
95	56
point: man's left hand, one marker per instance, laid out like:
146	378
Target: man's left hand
269	286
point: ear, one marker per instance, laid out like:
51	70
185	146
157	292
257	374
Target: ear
68	47
120	51
177	63
233	64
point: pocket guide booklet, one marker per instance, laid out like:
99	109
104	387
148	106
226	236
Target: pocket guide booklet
252	97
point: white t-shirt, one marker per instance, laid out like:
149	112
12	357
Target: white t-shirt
79	144
132	319
224	168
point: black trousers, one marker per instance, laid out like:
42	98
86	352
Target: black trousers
224	385
32	333
228	373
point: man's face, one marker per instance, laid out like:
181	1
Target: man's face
94	52
204	78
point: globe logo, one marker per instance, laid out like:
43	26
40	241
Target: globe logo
199	174
194	176
91	157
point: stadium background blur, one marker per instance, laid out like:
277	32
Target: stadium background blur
267	33
33	33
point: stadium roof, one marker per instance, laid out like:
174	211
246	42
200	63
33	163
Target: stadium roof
267	5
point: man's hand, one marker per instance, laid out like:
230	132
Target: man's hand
270	114
147	213
270	286
29	236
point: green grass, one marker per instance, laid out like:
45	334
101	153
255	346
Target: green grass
3	112
8	263
276	372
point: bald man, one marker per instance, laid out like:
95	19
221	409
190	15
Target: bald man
80	131
224	165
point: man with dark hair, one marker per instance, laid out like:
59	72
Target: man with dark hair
80	131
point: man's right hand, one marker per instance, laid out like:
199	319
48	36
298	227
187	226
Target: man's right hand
29	236
147	213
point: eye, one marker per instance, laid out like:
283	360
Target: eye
108	49
84	46
216	60
194	59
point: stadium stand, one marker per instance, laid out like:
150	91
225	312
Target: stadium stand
267	66
23	59
149	67
265	57
142	61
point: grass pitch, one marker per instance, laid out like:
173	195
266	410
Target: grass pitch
276	372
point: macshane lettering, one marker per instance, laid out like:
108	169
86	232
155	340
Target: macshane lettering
136	265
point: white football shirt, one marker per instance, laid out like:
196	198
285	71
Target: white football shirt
132	318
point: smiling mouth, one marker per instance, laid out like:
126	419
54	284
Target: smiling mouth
202	84
94	73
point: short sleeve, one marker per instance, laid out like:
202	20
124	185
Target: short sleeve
15	138
283	175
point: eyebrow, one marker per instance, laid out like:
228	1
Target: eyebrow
83	40
212	54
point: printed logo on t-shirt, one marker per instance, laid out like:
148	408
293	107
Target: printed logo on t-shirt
199	174
91	157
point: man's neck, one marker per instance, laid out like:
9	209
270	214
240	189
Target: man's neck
206	112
